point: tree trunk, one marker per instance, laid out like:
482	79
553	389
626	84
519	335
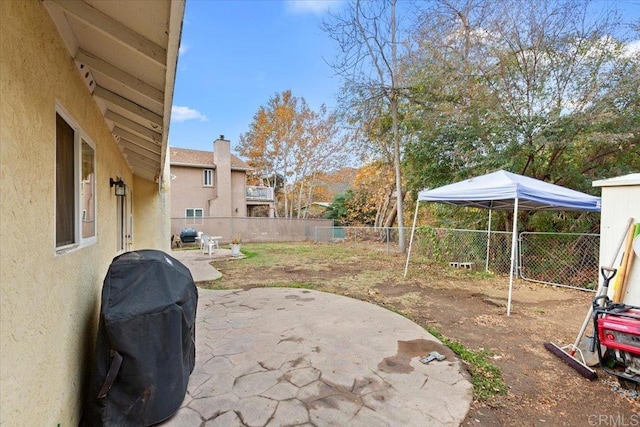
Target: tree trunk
310	196
391	218
300	196
382	212
396	136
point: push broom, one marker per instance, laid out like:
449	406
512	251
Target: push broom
567	353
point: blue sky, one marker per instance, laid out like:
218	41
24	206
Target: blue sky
236	54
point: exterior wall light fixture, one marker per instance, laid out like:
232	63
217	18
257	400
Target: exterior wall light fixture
121	187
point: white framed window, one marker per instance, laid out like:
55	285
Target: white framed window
194	215
75	185
88	189
207	177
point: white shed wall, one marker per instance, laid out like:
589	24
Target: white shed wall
620	201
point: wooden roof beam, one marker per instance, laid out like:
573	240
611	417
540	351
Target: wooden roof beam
114	29
115	73
139	150
133	126
135	139
154	120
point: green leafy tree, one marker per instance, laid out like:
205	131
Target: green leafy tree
337	211
534	87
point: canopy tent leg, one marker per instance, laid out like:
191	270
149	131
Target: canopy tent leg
486	267
514	240
413	229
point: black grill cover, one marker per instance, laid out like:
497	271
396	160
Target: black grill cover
147	322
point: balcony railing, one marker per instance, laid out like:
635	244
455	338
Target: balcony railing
258	193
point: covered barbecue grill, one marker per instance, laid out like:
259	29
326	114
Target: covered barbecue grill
145	349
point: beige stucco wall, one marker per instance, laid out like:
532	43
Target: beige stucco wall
49	303
187	191
151	221
238	193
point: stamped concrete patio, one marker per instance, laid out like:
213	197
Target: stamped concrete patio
282	356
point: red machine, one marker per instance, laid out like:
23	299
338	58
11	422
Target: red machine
618	339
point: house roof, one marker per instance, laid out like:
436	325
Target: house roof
198	158
126	53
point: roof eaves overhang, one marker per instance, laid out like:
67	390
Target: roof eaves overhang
194	165
127	54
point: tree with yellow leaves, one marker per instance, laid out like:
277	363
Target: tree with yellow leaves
289	144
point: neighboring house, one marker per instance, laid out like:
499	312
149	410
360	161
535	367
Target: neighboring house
86	94
213	184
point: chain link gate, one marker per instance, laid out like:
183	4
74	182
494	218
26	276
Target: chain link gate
561	259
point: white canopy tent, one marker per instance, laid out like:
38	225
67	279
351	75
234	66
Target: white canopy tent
504	190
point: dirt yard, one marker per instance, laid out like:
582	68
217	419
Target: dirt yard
467	307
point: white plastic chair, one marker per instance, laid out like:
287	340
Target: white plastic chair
208	244
199	238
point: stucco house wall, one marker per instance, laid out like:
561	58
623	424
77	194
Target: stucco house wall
151	214
227	197
49	301
238	193
188	191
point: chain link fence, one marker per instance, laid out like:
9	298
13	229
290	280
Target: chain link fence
471	249
560	259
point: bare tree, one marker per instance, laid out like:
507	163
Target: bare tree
366	33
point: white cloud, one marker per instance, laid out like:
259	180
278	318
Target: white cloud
183	49
632	48
311	6
182	114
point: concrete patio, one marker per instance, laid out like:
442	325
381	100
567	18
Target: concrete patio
282	356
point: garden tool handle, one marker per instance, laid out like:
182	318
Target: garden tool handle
607	274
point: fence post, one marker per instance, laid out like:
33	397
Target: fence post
387	237
486	266
519	265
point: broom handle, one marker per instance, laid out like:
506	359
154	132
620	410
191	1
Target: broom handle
623	286
600	288
622	277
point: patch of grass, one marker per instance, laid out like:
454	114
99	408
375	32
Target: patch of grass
485	376
291	285
215	285
248	254
482	275
397	311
